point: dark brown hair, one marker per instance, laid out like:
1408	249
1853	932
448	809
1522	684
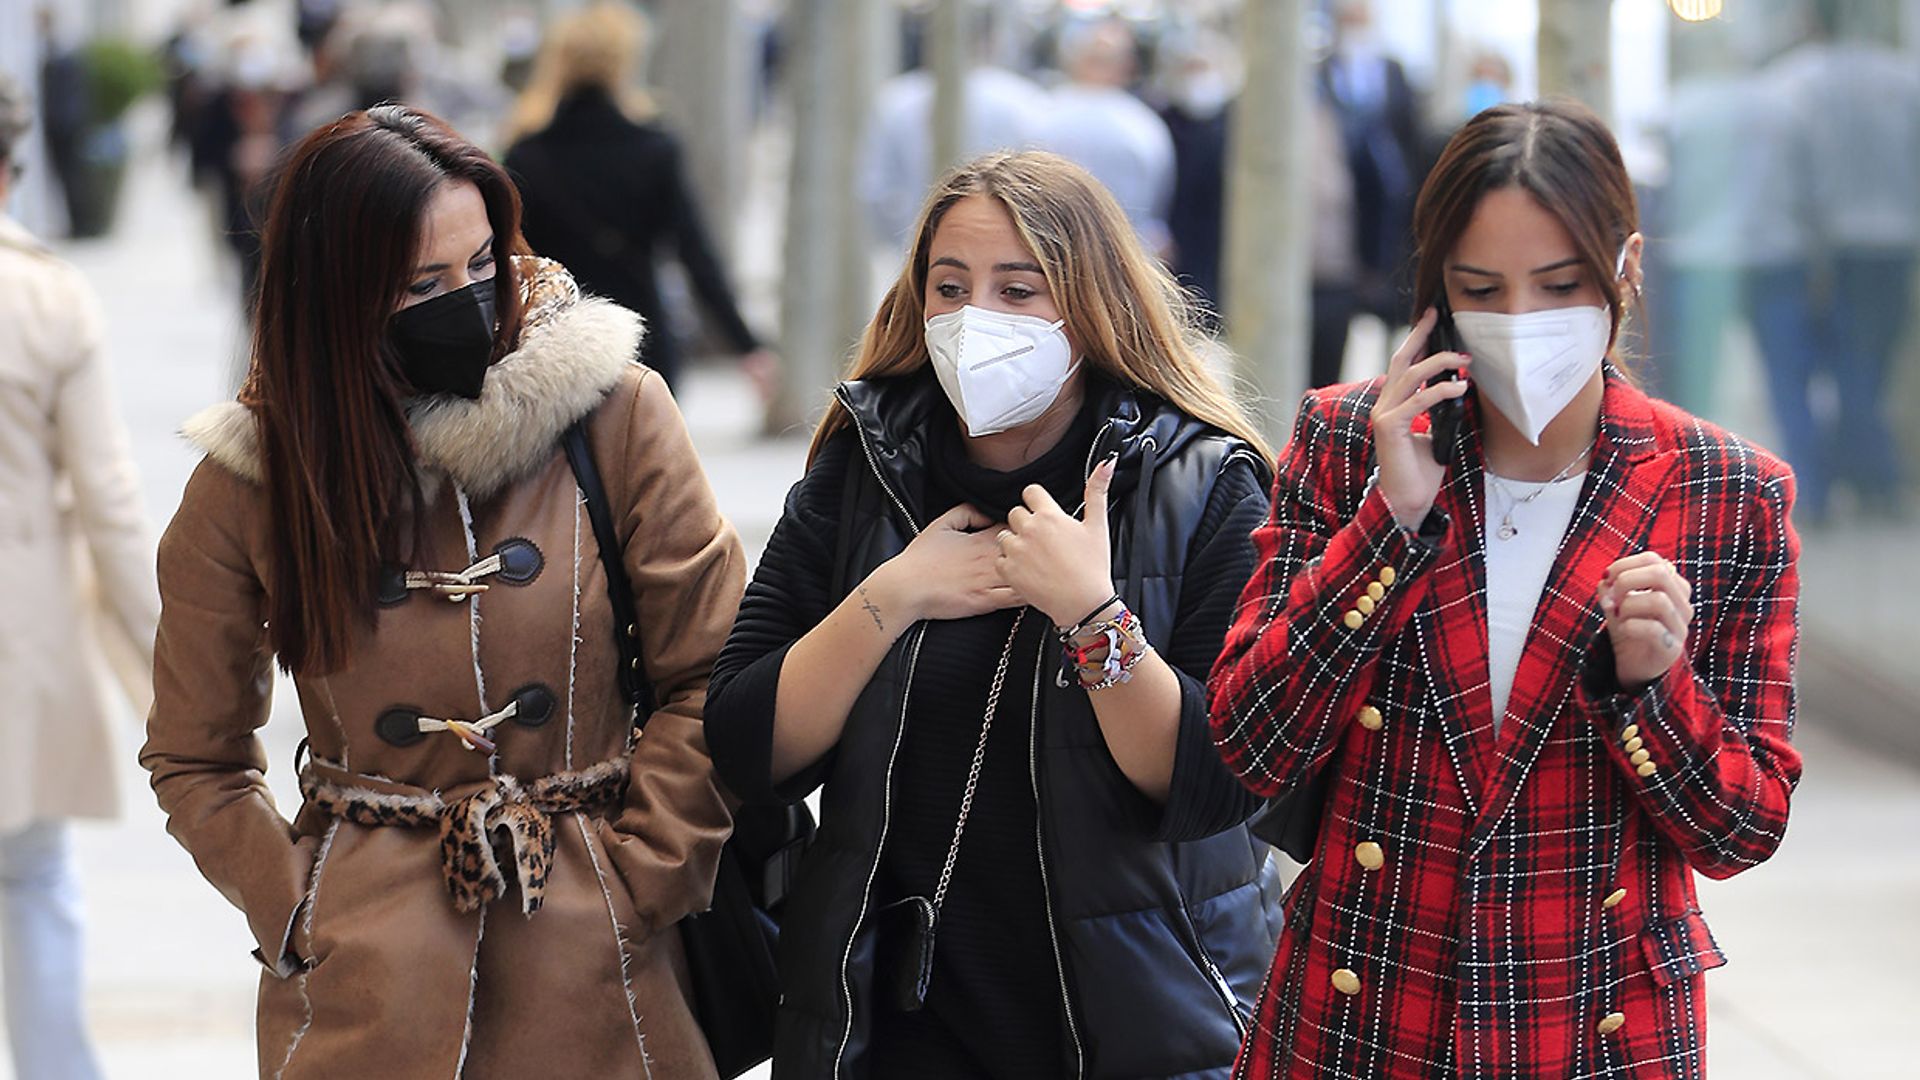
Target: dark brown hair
1557	151
340	242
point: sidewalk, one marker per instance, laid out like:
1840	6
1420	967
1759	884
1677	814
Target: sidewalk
1824	939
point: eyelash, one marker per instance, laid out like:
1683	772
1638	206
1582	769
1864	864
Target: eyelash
949	290
1563	288
422	288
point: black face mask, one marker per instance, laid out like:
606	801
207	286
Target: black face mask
446	343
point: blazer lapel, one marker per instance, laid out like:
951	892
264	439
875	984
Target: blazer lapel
1615	514
1452	628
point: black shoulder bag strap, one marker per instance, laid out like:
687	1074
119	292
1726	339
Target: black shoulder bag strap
633	672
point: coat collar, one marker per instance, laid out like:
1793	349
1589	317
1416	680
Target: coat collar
573	350
892	416
15	235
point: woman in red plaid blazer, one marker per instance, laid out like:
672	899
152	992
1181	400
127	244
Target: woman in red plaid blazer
1508	892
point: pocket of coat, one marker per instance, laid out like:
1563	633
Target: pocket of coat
1680	948
625	912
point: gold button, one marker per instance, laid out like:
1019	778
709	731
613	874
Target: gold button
1612	1022
1369	855
1364	605
1387	575
1613	898
1353	620
636	664
1640	756
1346	982
1633	744
633	631
1646	769
1632	730
1371	719
1376	590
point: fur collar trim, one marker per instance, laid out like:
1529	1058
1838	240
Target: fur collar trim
571	354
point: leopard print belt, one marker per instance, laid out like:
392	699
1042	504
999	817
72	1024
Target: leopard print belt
520	810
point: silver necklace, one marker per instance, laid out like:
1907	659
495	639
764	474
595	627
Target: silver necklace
1507	531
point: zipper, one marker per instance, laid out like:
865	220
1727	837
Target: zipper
873	460
886	819
899	733
1212	970
1040	848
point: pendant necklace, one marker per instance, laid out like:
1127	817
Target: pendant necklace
1507	531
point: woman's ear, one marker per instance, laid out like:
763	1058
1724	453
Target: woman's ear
1632	275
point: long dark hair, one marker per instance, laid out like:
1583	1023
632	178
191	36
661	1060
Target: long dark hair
1557	151
340	242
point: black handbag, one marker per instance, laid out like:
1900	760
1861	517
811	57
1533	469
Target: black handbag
730	946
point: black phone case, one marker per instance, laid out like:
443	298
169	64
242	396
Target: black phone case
1443	419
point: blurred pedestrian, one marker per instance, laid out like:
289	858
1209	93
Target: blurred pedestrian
1734	211
1095	121
1334	260
606	185
1198	80
1532	632
67	479
1002	110
66	106
1084	898
1379	117
1856	106
242	127
488	867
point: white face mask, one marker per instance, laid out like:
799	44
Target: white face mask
1530	366
999	370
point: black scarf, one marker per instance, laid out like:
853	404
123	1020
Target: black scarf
954	478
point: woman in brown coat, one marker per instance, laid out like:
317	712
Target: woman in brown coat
487	869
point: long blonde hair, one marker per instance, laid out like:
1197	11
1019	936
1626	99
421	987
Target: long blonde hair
603	46
1129	318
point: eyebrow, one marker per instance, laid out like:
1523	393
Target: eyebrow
434	268
1547	269
1005	267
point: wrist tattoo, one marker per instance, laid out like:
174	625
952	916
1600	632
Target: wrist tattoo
873	610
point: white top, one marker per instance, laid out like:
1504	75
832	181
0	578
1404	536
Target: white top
1517	568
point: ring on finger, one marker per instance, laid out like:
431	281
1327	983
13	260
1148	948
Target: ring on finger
1000	538
1666	639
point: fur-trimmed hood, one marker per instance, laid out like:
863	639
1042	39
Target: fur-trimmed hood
573	350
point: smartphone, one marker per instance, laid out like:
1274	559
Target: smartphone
1443	419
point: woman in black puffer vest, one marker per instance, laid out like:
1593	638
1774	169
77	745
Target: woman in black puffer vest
1032	862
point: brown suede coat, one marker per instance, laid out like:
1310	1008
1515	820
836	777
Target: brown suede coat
372	970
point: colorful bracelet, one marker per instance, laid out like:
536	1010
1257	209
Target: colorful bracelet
1080	627
1104	654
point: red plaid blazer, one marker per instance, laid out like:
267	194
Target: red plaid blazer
1519	905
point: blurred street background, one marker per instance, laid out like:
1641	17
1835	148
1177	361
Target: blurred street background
1267	149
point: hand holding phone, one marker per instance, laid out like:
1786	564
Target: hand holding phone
1443	419
1422	376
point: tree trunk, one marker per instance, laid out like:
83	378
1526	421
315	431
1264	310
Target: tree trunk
700	65
1575	52
1267	290
950	52
832	69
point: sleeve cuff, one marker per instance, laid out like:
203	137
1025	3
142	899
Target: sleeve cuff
1204	797
286	963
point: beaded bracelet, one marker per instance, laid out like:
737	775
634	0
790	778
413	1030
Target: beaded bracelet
1104	653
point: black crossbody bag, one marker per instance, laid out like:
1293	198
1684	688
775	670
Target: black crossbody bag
730	946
